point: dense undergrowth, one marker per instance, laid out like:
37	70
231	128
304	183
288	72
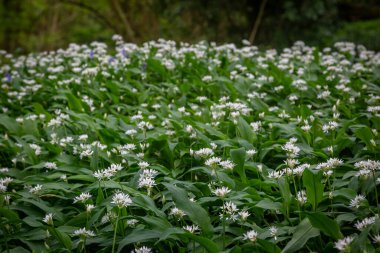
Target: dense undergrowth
190	148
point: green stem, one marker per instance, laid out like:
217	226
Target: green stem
296	193
377	198
331	201
114	233
84	245
224	232
6	241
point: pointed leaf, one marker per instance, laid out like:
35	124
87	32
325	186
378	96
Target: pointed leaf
245	130
328	226
303	232
314	187
238	157
196	213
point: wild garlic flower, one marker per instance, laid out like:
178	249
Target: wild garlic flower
300	169
36	189
178	213
273	230
143	165
370	165
83	197
146	182
291	150
364	173
204	152
251	236
291	162
4	170
376	239
213	161
149	173
357	201
329	165
50	165
366	222
132	222
36	148
191	228
48	219
306	127
276	174
343	245
251	152
131	132
83	232
256	126
244	215
221	192
207	79
143	125
329	127
142	249
5	181
227	164
121	200
83	137
106	174
89	208
229	211
301	197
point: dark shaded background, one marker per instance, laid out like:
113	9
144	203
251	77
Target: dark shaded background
35	25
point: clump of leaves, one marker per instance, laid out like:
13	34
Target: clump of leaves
175	147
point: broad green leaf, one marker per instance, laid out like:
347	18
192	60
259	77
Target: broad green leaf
10	215
286	195
268	246
171	232
157	223
362	243
238	157
364	133
74	103
147	203
35	246
166	154
208	244
303	232
94	159
268	204
61	236
100	196
138	236
314	187
259	105
326	225
86	178
10	124
245	130
212	131
18	249
195	212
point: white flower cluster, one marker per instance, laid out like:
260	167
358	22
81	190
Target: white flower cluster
146	179
328	166
121	199
366	222
291	149
215	161
106	174
83	232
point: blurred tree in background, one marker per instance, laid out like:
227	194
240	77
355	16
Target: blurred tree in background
35	25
